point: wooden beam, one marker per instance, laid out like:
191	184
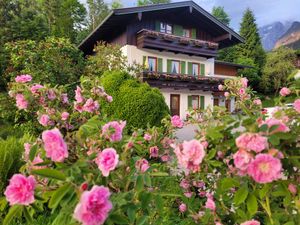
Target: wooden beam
140	16
222	37
191	9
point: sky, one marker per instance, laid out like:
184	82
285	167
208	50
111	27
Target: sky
266	11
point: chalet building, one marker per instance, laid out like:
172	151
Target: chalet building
177	43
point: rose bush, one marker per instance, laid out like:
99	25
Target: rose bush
239	169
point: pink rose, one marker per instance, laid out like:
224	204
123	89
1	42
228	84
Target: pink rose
90	105
109	98
64	98
297	105
142	165
147	137
292	188
190	154
153	152
251	141
165	158
54	145
257	102
251	222
21	101
65	116
107	160
188	194
185	184
113	130
265	168
27	148
275	122
44	120
23	78
242	91
130	144
220	87
284	91
20	190
94	206
78	95
176	121
78	107
35	88
242	158
210	204
226	94
182	207
51	94
244	81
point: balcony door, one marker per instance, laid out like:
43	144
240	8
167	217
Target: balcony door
175	104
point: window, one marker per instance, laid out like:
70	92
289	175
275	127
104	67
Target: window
195	102
187	33
174	66
195	71
166	28
152	63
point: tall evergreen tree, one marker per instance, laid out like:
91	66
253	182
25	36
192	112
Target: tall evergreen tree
220	14
98	10
151	2
252	48
116	4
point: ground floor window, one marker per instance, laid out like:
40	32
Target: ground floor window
175	104
195	102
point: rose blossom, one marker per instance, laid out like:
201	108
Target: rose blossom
20	190
113	130
292	188
257	102
251	222
90	105
65	116
109	98
275	122
153	152
182	207
242	91
94	206
284	91
185	184
142	165
190	154
54	145
51	94
210	204
147	137
297	105
176	121
265	168
226	94
35	88
244	81
23	78
107	160
220	87
64	98
78	95
242	158
188	194
27	148
44	120
21	101
251	141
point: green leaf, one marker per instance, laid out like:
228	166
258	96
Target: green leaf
32	152
58	195
274	140
263	128
12	213
214	133
145	198
119	218
139	185
147	180
50	173
289	223
141	220
264	190
212	154
159	174
252	204
240	196
131	211
215	163
27	216
228	183
159	203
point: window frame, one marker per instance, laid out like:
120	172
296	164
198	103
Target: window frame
165	30
198	64
177	61
189	31
198	101
156	61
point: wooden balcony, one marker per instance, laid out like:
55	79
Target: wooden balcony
177	44
181	81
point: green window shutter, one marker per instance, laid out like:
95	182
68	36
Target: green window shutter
190	68
190	106
202	103
202	69
194	33
145	63
178	30
182	67
157	25
159	64
169	65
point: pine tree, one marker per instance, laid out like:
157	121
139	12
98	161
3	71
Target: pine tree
220	14
98	10
252	48
151	2
116	4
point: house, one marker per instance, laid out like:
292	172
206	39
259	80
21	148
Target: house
177	43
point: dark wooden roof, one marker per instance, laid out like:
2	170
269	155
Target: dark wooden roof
239	66
118	19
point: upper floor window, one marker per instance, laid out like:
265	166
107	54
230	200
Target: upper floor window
166	28
187	33
174	66
152	64
195	69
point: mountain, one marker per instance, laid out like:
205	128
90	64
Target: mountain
291	38
271	33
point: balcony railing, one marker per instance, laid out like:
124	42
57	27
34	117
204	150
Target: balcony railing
181	81
168	42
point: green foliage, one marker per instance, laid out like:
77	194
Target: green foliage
10	158
220	14
279	65
116	4
135	102
97	11
151	2
59	62
252	48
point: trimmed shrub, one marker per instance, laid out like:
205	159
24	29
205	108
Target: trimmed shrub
136	102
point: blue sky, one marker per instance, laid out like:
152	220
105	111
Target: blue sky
266	11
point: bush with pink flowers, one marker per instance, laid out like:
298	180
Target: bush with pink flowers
85	169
